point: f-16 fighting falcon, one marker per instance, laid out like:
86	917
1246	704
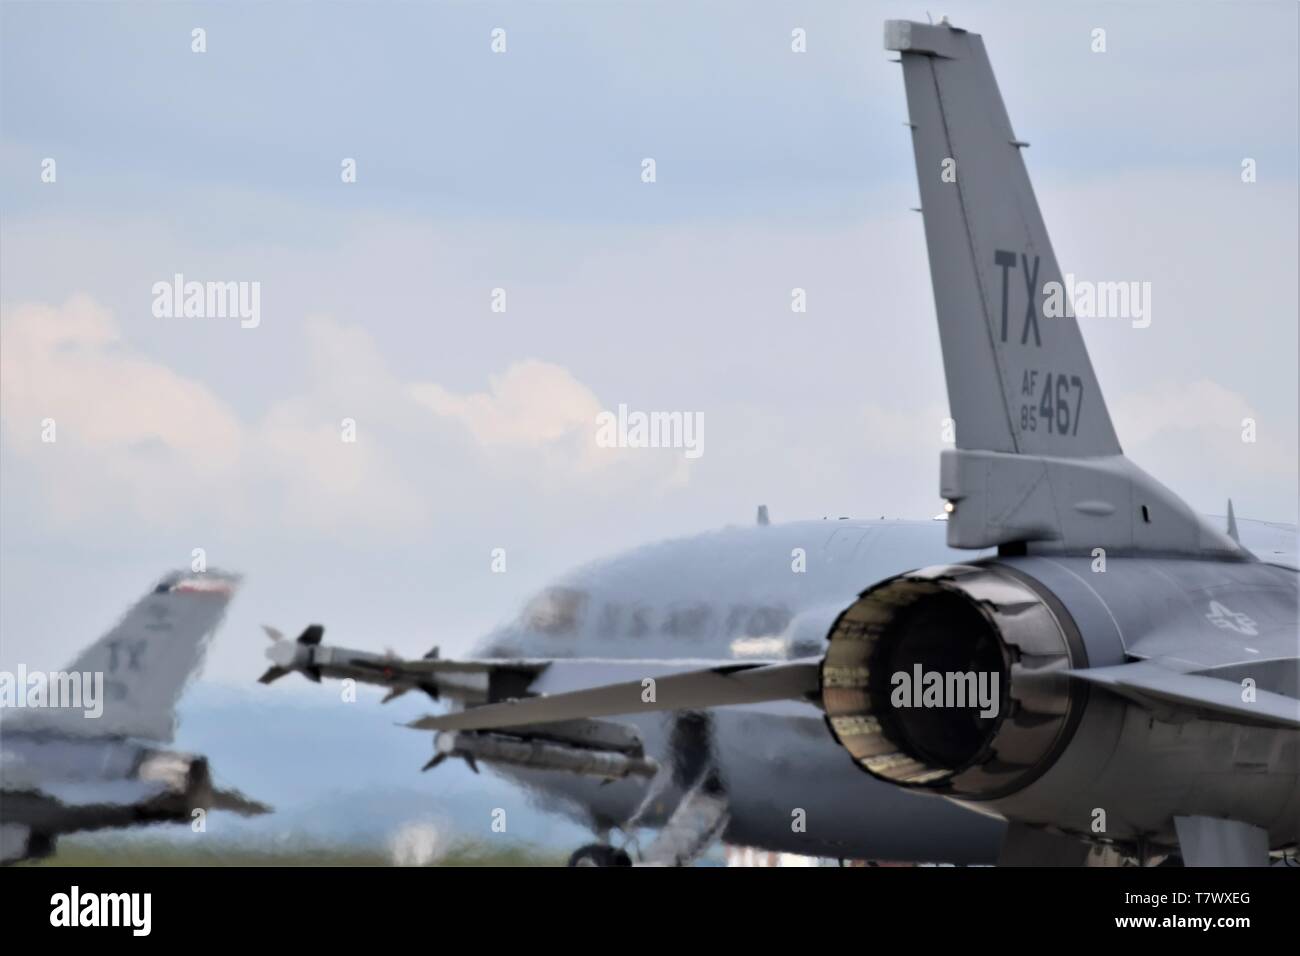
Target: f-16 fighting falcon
1084	670
96	763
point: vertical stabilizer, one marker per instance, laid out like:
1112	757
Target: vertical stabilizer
1036	460
1019	380
145	661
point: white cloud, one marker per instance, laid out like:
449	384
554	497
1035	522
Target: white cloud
129	432
531	404
539	420
1190	435
137	440
1201	407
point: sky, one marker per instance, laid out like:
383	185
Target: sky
522	170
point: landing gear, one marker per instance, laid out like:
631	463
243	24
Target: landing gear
599	854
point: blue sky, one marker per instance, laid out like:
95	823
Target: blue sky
521	170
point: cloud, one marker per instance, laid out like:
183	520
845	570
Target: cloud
127	431
1201	406
1193	436
357	449
532	404
536	415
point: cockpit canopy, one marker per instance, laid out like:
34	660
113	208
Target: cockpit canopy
557	611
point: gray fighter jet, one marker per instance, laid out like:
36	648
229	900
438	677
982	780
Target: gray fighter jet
1083	658
767	775
79	748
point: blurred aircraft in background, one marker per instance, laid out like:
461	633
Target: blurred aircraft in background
66	768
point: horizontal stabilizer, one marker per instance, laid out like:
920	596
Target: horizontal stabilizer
1150	684
719	686
236	802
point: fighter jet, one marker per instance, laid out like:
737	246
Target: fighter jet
767	775
95	762
1099	672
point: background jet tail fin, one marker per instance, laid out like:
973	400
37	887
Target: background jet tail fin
146	660
1019	378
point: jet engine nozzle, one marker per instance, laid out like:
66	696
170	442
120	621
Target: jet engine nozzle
947	679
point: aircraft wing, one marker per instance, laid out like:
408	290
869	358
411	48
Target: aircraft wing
522	692
541	713
717	686
1151	684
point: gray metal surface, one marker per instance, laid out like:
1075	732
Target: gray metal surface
990	257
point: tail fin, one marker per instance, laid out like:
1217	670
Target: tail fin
1036	458
146	661
1018	381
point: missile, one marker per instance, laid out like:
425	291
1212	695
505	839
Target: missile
289	656
539	754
